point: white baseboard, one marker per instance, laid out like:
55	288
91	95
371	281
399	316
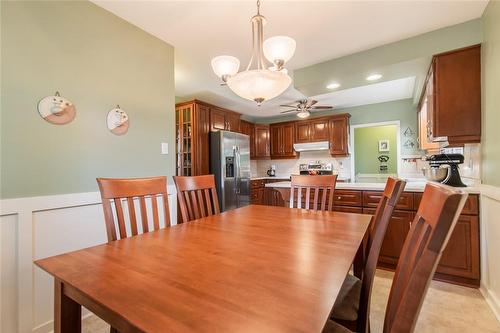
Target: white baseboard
492	301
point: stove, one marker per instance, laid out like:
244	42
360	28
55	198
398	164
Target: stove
316	168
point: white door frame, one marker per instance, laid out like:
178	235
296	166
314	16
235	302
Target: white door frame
383	123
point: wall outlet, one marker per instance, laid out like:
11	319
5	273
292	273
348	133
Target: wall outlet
164	148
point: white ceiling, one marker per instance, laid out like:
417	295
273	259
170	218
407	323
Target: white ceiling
373	93
200	30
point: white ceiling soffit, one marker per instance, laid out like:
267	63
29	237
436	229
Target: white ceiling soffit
374	93
200	30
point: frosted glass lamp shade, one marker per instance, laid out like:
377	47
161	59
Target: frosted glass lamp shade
259	85
279	48
303	114
225	65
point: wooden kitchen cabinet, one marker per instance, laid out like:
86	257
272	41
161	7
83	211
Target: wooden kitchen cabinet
460	258
262	142
453	91
460	262
222	119
248	129
282	140
395	236
339	135
192	120
313	130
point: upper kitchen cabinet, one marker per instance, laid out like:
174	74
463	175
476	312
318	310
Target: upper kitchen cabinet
453	92
192	120
221	119
261	142
339	134
282	140
311	130
249	129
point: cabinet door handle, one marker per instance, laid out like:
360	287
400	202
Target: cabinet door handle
339	197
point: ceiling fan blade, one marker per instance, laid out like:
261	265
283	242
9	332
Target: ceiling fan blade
322	107
311	102
288	106
288	111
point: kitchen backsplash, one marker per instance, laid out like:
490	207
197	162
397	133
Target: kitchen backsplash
284	168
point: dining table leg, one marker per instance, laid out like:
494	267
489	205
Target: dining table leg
67	312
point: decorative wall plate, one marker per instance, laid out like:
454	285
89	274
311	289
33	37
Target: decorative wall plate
117	121
56	109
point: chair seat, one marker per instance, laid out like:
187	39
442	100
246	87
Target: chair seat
333	327
347	303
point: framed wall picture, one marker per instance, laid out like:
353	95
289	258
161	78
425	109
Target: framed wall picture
383	145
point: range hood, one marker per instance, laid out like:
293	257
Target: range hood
311	146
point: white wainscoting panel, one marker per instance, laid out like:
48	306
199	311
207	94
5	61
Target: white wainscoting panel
40	227
8	273
490	247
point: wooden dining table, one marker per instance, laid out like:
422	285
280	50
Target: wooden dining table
252	269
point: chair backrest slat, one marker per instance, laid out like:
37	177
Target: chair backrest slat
433	224
166	210
156	220
131	213
190	192
323	186
121	220
207	201
144	214
117	189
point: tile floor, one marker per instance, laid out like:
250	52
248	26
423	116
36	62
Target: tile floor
447	309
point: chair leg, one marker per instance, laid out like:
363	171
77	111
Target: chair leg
113	330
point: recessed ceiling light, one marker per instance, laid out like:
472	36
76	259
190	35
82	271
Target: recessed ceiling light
374	77
333	85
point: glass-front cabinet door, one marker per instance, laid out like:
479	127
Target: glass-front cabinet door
184	139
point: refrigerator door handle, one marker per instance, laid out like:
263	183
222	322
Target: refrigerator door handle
237	172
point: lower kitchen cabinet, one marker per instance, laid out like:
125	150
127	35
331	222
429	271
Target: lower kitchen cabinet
460	258
395	236
460	261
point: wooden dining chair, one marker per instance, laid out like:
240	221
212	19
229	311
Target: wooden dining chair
197	196
321	189
351	307
429	233
116	191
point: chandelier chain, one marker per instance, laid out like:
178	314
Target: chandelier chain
258	7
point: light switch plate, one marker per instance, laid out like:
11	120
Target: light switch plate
164	148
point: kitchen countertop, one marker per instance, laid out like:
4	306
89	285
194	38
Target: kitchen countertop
410	186
340	178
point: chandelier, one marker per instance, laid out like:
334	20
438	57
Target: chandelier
259	82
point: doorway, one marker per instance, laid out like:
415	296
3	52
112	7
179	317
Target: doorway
376	151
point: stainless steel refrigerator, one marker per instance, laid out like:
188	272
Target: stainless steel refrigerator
230	163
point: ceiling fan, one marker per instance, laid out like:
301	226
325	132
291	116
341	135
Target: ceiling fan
304	107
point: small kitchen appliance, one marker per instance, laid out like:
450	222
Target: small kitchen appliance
316	168
452	160
271	172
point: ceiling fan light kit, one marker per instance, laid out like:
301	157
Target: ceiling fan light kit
260	82
304	107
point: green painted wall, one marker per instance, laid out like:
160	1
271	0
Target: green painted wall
366	151
491	95
403	110
97	60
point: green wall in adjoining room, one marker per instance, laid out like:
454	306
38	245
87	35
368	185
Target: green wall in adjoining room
366	151
403	110
97	61
491	95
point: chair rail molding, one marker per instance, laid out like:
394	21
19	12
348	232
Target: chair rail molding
36	227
